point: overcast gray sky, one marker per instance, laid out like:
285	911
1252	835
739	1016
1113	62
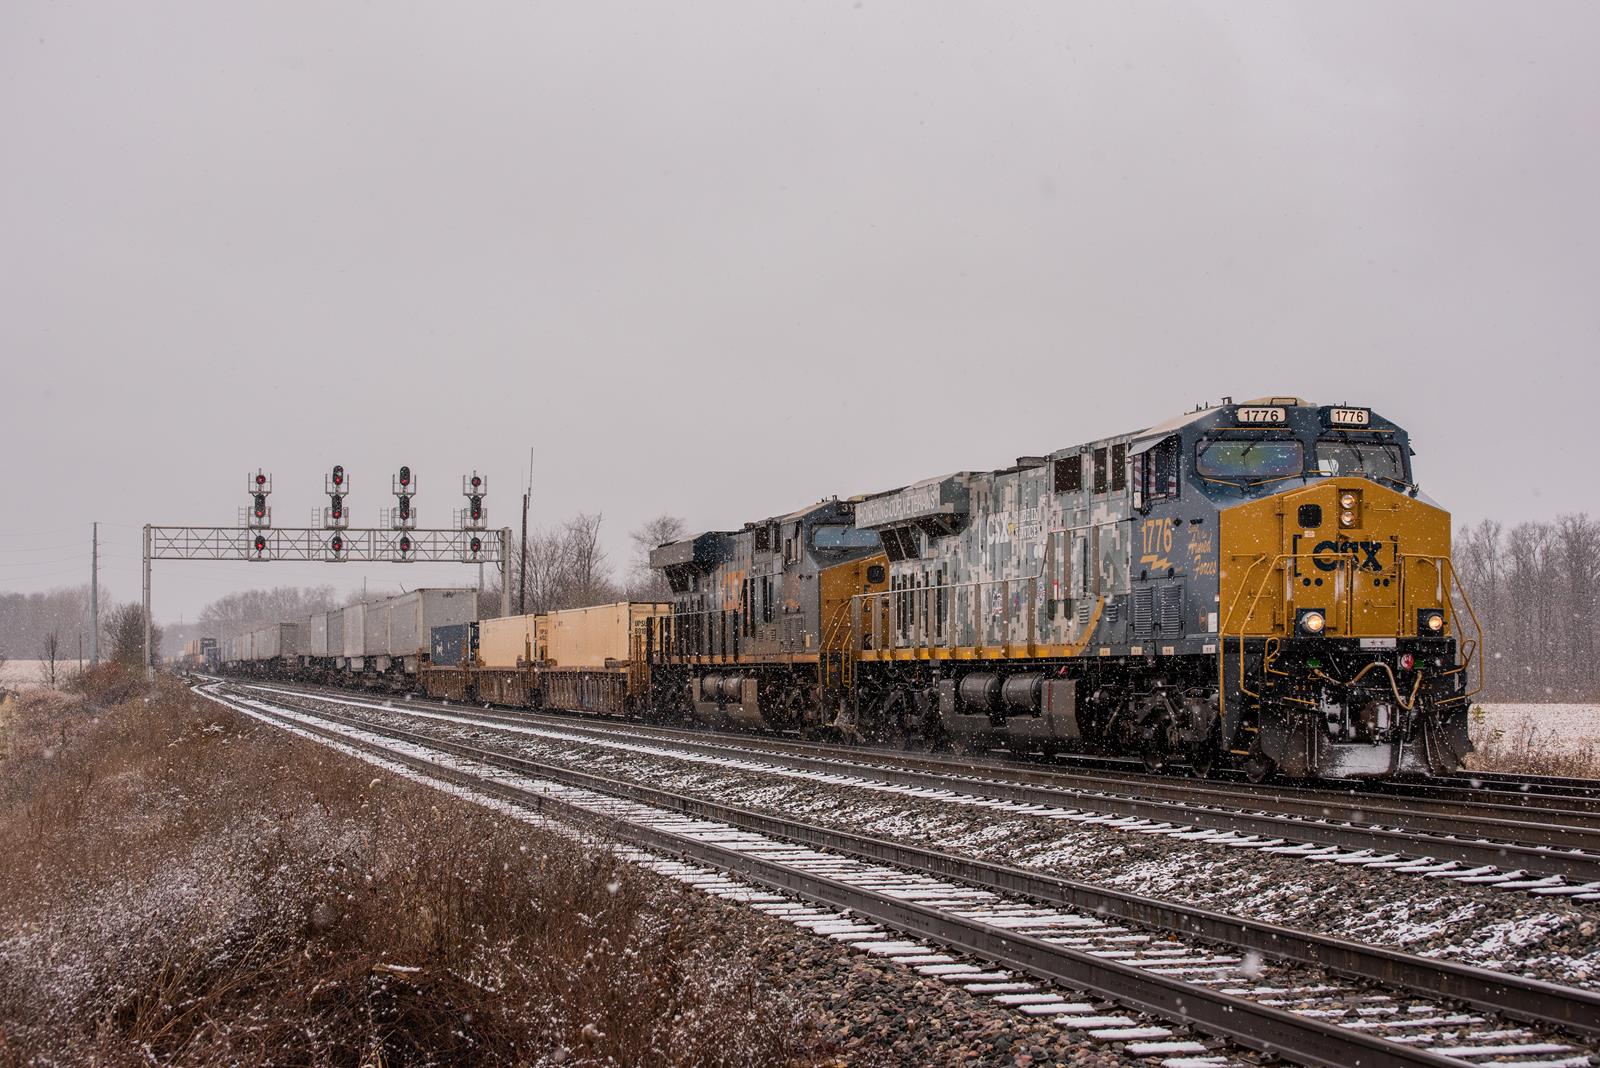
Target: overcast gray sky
721	259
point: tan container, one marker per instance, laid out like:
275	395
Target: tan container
592	637
502	642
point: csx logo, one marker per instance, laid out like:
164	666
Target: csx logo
1364	552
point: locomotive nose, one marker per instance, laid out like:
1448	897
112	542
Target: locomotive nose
1338	558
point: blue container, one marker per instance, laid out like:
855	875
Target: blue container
451	642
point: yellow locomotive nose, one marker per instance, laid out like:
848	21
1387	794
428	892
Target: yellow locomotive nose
1338	558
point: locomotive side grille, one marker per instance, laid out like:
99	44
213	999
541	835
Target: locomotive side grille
1169	609
1143	614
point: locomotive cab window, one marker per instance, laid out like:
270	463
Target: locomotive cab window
1372	459
1249	460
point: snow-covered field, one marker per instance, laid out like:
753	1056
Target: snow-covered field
26	674
1554	727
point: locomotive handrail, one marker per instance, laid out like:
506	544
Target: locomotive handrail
1447	590
1444	564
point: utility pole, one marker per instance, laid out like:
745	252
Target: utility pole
149	663
522	557
94	602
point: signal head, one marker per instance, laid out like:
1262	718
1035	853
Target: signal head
338	474
405	476
261	543
338	544
261	479
476	481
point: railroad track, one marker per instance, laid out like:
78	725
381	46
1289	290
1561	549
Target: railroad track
1505	849
1308	997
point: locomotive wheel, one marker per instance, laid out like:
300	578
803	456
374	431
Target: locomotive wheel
1204	760
1155	761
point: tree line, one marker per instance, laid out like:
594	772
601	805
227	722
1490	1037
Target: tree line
53	628
1536	589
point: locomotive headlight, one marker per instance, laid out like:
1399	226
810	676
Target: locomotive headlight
1347	518
1312	621
1347	500
1432	622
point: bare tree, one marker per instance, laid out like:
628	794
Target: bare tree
589	569
50	658
643	583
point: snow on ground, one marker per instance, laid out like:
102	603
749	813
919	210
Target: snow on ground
29	674
1566	728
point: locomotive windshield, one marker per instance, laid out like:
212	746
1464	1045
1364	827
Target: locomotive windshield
1233	460
1369	458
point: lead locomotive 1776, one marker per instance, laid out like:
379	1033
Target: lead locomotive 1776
1258	585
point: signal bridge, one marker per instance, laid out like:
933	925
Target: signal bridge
256	539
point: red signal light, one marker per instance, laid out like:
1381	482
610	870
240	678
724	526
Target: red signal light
261	480
476	481
261	543
338	544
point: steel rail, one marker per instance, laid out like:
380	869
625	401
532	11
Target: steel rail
1323	829
1306	1040
1501	795
1531	1000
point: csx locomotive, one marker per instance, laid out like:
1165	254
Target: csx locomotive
1258	585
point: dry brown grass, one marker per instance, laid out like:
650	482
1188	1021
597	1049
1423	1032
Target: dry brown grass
1526	747
180	886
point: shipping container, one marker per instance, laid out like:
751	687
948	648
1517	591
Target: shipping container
412	617
505	642
314	635
452	643
354	629
274	641
336	633
594	637
375	636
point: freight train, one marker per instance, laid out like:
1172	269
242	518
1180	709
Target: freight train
1257	585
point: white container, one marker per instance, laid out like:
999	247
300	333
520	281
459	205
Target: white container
314	635
412	617
354	629
375	637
